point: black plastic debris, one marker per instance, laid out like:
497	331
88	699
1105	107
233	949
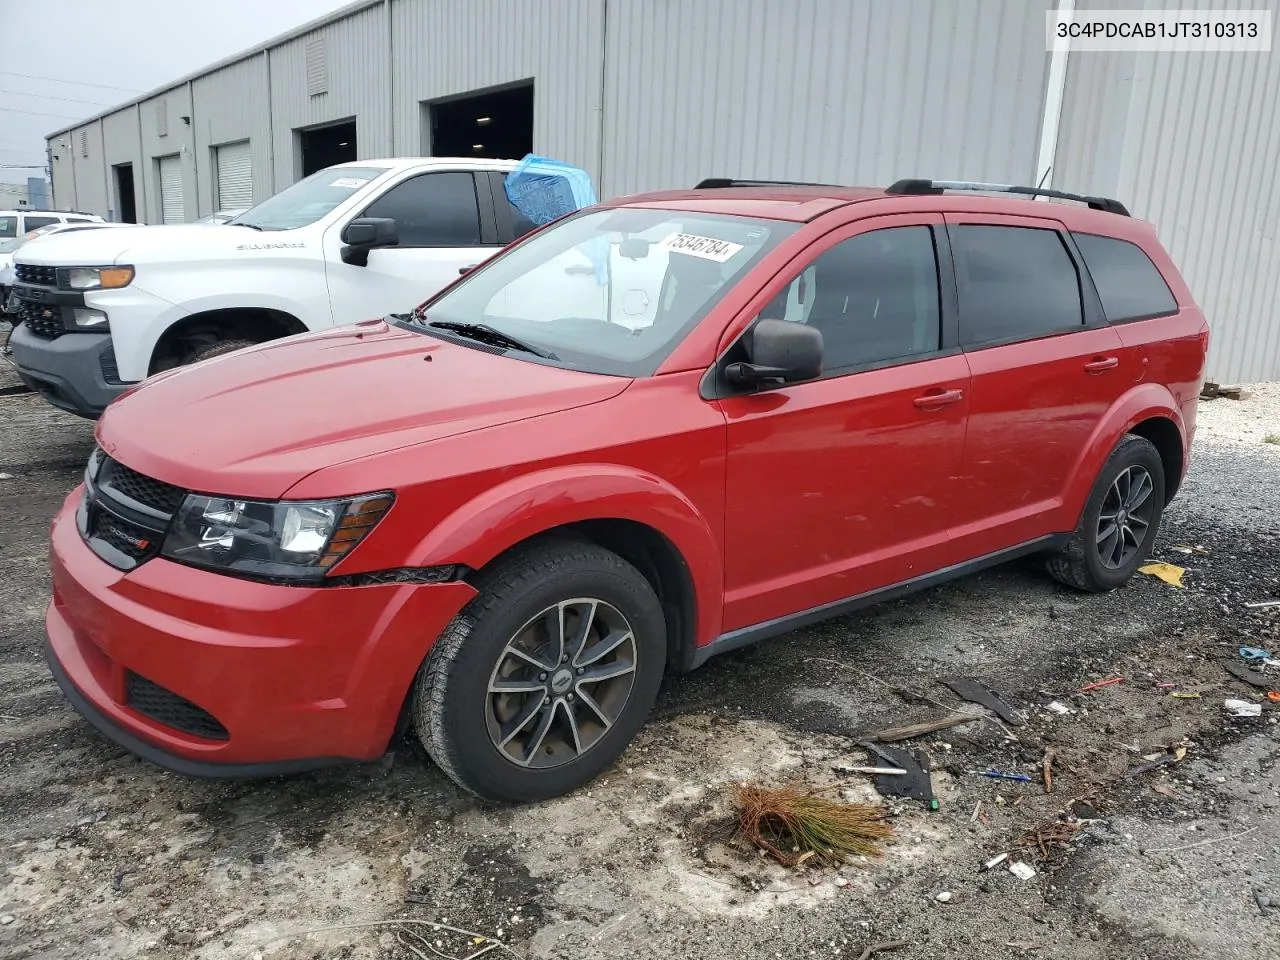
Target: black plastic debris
980	693
916	784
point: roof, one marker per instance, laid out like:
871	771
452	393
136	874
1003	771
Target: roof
310	25
410	163
798	204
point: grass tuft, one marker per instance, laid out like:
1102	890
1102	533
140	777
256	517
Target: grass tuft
793	824
1272	438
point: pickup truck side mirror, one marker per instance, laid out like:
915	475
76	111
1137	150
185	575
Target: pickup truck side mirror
781	352
364	234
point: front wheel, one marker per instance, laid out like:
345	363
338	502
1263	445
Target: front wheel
546	676
1120	521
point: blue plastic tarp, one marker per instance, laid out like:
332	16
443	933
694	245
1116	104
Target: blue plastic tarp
543	190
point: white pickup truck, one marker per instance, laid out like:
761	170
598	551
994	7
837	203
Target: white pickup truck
104	309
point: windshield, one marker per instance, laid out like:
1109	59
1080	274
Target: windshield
308	200
11	245
609	291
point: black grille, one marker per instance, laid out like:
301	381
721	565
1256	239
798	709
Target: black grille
156	494
40	276
164	706
34	316
130	539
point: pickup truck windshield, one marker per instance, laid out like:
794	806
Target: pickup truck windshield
308	200
607	291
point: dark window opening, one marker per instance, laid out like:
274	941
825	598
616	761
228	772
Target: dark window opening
432	210
324	146
126	203
1015	283
497	125
1128	283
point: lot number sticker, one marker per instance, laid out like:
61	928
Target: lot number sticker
349	183
708	248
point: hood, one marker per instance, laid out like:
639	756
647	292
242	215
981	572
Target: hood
254	422
136	244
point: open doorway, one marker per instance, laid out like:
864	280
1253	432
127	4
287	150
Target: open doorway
497	124
321	147
126	203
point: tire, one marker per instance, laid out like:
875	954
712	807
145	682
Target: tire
1093	564
462	721
217	350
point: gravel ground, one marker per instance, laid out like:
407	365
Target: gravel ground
102	855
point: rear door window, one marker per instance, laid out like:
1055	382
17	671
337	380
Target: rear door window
35	223
1015	283
1128	283
8	228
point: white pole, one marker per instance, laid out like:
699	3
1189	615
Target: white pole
1053	95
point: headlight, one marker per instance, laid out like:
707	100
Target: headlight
97	278
297	540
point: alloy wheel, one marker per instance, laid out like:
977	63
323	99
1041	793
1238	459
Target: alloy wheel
1125	518
560	683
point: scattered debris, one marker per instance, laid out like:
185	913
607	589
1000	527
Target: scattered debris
1248	674
1273	696
977	809
1046	769
1023	871
841	882
1165	686
1101	683
1184	695
793	818
8	918
1262	604
1254	653
1164	790
1159	760
1202	843
1059	708
880	771
915	781
913	730
1165	572
1212	391
877	947
1001	775
944	897
1242	708
995	861
980	693
1186	548
6	476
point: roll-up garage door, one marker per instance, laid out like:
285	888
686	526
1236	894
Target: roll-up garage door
235	176
172	207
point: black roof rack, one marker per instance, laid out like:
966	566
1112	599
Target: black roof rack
923	187
717	183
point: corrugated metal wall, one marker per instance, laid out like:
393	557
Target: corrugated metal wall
165	134
852	91
1189	141
443	48
356	57
122	144
231	105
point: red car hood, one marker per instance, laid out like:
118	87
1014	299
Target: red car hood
254	422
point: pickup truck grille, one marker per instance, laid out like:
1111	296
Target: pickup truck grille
41	319
40	276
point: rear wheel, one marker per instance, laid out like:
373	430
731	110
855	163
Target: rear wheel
543	680
217	349
1120	521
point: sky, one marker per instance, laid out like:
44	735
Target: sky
65	60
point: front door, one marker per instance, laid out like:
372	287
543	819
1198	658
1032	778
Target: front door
1046	367
441	229
842	485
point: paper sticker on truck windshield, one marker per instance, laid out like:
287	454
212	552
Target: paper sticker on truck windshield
708	248
349	183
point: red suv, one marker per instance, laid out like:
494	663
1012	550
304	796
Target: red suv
656	430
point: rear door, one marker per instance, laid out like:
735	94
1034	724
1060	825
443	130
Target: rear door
842	485
442	226
1046	367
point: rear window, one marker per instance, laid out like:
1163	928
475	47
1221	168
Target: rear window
35	223
1129	285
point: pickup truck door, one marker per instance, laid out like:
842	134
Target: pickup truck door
445	222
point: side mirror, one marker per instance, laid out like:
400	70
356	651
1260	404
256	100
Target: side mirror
781	352
364	234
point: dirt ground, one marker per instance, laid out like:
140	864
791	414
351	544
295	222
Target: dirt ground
102	855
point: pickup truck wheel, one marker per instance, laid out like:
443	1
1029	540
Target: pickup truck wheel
546	676
1120	521
218	349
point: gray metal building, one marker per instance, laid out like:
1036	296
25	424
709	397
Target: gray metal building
661	93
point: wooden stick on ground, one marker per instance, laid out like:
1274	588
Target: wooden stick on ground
891	734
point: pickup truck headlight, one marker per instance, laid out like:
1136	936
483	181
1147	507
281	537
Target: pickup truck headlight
97	278
282	540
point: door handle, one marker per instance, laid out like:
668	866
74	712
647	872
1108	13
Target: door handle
937	399
1101	364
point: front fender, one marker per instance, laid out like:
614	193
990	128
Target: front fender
508	514
1143	402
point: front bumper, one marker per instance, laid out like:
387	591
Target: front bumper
71	371
294	677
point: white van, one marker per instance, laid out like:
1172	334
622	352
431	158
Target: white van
15	223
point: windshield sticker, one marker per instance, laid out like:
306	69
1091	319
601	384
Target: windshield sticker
708	248
349	183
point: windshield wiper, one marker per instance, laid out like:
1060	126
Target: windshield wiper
483	333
